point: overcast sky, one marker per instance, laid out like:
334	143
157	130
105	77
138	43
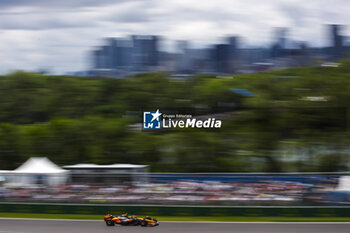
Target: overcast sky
58	34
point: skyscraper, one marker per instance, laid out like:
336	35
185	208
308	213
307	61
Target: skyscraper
145	52
123	52
279	44
222	58
110	53
336	40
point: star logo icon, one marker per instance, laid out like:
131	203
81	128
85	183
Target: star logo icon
156	115
152	120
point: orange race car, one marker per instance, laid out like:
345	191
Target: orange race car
125	220
148	221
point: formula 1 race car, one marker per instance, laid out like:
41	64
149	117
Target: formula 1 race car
125	220
148	221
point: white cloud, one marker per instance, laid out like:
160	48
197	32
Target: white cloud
59	34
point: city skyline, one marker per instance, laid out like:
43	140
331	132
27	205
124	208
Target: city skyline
122	57
57	36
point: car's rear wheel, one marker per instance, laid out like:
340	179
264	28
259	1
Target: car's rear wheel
109	223
134	223
124	223
144	223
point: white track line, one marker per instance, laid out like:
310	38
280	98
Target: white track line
12	232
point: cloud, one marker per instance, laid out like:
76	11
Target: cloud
59	3
59	34
44	22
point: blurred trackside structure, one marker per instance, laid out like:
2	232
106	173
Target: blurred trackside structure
107	174
36	171
39	179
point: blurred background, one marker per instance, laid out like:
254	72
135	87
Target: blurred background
76	77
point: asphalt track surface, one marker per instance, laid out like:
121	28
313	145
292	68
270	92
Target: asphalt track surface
85	226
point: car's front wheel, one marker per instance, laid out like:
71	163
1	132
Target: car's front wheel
109	223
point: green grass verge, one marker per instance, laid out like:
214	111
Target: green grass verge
179	218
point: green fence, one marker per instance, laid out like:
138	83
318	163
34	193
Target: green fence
154	210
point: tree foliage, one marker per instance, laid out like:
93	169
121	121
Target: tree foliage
295	120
